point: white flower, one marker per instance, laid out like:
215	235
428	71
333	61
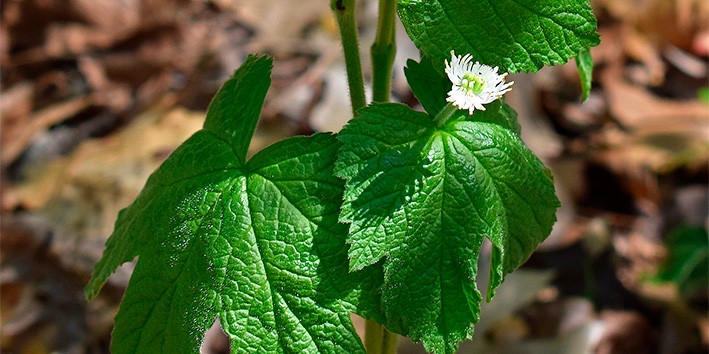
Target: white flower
474	84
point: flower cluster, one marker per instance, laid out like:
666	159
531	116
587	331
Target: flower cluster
474	84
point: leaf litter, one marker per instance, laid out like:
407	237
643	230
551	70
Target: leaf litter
96	93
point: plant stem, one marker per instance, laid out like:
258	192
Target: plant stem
345	13
377	340
389	342
384	51
445	114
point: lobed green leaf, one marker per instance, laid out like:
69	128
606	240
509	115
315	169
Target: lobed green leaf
257	245
424	199
515	35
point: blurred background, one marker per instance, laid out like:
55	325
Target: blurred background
95	94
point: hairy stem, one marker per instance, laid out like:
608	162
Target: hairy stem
345	13
384	51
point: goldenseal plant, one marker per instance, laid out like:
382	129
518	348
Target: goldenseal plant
385	219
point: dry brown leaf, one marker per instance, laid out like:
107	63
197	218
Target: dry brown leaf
72	39
639	47
15	108
661	134
292	18
662	21
636	108
39	121
105	23
109	14
122	161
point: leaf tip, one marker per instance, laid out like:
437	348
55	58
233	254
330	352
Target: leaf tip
92	288
584	64
356	263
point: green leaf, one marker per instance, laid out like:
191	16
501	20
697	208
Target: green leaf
688	262
257	245
584	63
429	87
424	199
515	35
500	113
703	94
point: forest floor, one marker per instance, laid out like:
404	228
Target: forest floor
95	94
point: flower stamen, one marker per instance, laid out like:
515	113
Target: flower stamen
472	84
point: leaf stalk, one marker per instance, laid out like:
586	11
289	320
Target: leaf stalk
383	51
445	114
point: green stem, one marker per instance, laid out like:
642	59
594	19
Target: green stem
384	51
377	340
445	114
345	13
389	342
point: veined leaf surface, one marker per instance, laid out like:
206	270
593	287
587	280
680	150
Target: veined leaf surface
256	244
423	199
